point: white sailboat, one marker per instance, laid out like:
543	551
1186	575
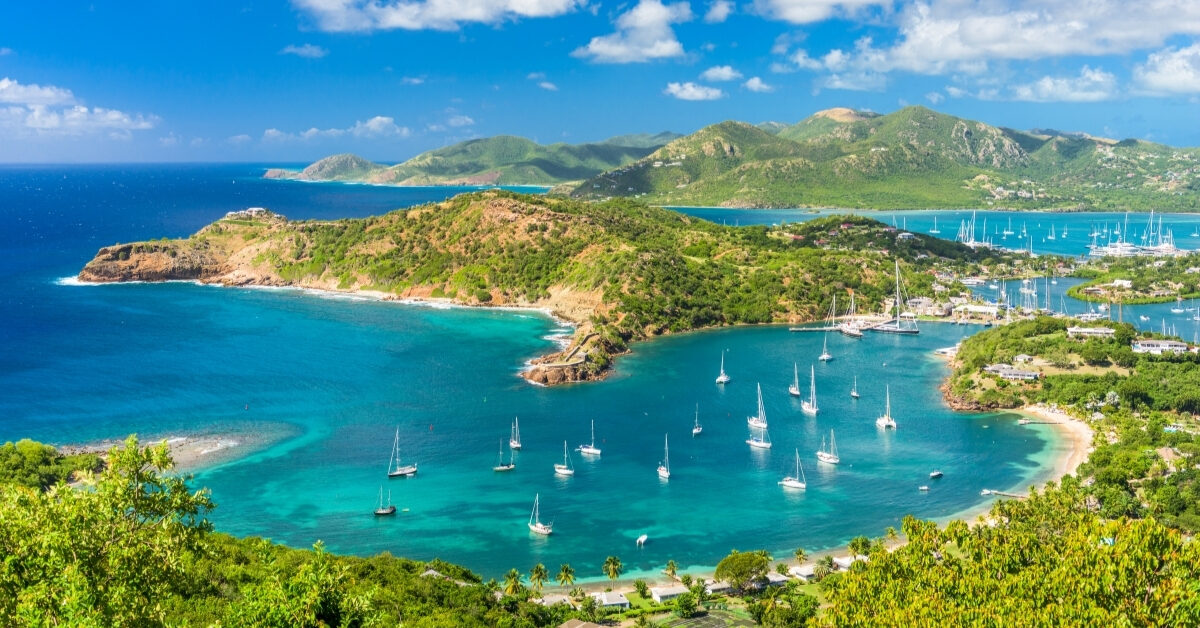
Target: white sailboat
885	420
696	427
1008	230
381	510
904	323
535	522
825	355
829	455
395	469
664	467
854	391
935	230
759	420
564	468
794	389
809	406
761	441
514	437
590	449
722	378
500	466
797	480
849	326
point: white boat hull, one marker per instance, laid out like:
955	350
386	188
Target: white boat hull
514	444
722	379
664	473
562	470
756	422
758	444
808	408
793	391
828	458
885	422
540	528
504	467
792	483
403	472
588	450
696	430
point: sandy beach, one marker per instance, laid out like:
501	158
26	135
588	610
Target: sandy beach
191	452
1076	432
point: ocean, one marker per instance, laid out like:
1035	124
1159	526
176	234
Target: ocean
314	387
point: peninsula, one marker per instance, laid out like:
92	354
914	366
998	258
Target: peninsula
620	270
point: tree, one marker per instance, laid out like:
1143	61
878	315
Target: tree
642	588
538	576
740	569
890	534
781	569
589	608
512	582
671	569
800	554
860	546
566	575
685	605
578	593
315	594
103	556
612	568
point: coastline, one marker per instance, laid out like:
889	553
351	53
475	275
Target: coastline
190	452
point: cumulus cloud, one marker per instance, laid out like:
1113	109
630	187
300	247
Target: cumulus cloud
1171	70
756	84
718	11
548	86
859	81
692	91
721	73
1091	85
446	15
643	34
412	80
808	11
460	121
238	140
378	127
934	97
31	110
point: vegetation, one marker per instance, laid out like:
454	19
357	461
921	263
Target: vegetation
1165	279
743	569
34	465
912	158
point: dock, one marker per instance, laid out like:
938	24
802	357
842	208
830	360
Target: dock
831	328
988	491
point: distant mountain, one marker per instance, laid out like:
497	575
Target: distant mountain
500	160
911	158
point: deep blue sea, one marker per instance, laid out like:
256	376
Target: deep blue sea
314	388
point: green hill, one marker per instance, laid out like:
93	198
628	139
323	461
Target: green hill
912	158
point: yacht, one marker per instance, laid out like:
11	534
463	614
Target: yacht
590	449
381	510
935	474
825	355
830	455
796	480
535	522
696	427
514	438
564	468
395	469
794	389
809	406
759	420
885	420
854	391
722	378
664	467
500	466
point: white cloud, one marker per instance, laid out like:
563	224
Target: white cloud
446	15
238	140
169	140
808	11
14	92
859	81
643	34
413	80
1171	70
308	51
934	97
756	84
718	11
49	111
460	121
534	76
956	92
720	73
801	60
1091	85
375	128
692	91
548	86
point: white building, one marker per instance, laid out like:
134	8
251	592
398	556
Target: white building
1159	347
611	599
669	592
1090	332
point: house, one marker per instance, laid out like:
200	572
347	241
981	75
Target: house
669	592
803	572
775	579
844	562
555	598
1010	372
1023	358
1122	283
611	599
906	236
717	586
1159	347
1090	332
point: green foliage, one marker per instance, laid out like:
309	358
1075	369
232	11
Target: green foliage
612	567
31	464
685	605
740	569
1046	557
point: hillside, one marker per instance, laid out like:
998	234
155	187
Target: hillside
621	270
912	158
500	160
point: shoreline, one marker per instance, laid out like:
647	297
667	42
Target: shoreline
190	452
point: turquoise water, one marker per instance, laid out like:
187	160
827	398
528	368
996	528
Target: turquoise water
1037	225
314	388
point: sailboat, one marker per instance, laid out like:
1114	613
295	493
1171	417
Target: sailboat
797	480
395	469
590	449
809	406
1008	231
885	420
722	378
829	455
935	230
696	427
514	438
535	522
901	324
794	389
761	441
760	419
1050	235
500	466
381	510
664	467
849	326
854	391
564	468
825	355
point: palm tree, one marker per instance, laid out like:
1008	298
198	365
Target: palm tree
800	554
860	546
577	593
612	568
537	576
671	569
512	582
890	534
566	575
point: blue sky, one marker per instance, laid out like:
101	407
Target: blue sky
291	81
